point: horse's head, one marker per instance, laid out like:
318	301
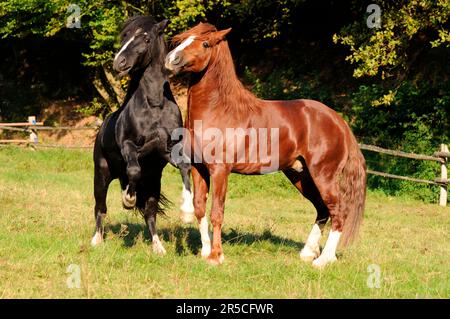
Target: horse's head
194	48
139	44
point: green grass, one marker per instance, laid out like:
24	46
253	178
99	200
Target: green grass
46	223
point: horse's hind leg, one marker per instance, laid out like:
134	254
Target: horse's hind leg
102	178
329	192
130	154
304	183
150	212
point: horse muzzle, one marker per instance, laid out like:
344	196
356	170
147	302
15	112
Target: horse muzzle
174	64
120	65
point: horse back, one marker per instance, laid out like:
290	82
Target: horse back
320	132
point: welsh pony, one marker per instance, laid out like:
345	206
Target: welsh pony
134	143
309	142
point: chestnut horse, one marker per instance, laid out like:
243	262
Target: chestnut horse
314	147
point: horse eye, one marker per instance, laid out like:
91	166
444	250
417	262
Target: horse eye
205	44
147	40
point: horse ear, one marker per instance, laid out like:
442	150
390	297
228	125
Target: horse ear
160	26
220	35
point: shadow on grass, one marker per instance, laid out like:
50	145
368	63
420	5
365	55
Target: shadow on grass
187	239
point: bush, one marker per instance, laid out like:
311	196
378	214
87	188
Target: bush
415	120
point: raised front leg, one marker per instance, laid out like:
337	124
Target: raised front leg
219	175
200	177
130	155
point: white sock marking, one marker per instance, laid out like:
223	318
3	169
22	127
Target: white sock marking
204	232
188	206
124	47
181	47
157	245
311	249
97	239
329	251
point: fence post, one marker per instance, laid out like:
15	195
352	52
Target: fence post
33	133
443	196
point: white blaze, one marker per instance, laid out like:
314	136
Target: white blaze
181	47
123	48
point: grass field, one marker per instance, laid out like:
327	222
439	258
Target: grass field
46	223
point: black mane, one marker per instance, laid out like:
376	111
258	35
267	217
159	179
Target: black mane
136	22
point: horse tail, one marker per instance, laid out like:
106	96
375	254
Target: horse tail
352	186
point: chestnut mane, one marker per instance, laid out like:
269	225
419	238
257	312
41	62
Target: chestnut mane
232	93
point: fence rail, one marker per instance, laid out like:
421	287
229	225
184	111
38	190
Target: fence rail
378	149
405	178
441	156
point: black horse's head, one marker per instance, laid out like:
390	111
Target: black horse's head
141	42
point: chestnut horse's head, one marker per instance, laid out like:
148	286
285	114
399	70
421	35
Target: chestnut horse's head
194	48
140	41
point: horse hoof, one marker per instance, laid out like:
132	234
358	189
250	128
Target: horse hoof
128	201
97	239
159	249
308	254
187	218
215	260
322	261
206	251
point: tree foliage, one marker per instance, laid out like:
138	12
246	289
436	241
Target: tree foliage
386	50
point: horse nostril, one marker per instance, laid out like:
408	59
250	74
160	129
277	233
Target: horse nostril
122	61
176	60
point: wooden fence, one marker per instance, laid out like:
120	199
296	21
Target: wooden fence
441	156
32	127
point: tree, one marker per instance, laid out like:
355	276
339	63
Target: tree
407	28
100	23
101	20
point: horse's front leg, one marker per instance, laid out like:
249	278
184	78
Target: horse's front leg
177	157
130	155
200	177
187	208
219	175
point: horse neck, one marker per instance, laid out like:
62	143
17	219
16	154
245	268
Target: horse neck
220	79
149	83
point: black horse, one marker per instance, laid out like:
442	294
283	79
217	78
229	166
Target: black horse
134	143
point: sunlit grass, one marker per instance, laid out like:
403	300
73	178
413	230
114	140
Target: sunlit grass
46	223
